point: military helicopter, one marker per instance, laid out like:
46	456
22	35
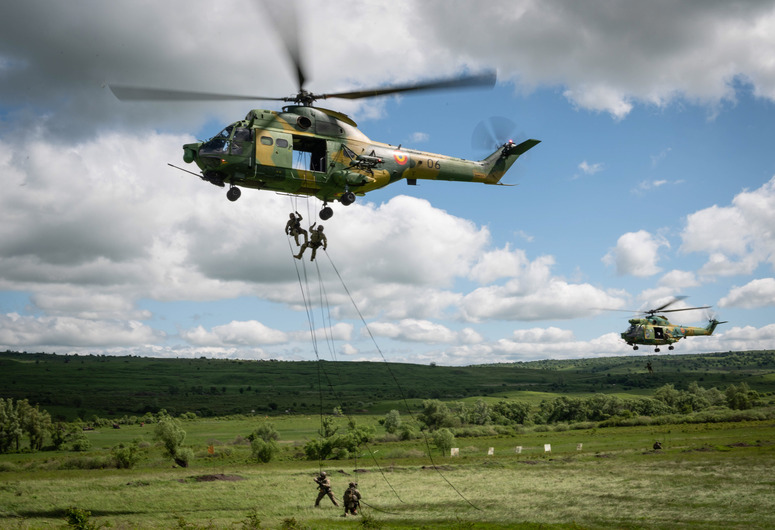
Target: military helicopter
338	161
656	330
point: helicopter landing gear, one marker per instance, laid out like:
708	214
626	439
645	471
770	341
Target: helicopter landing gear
233	194
347	198
326	213
635	347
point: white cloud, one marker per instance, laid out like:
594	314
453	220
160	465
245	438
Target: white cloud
590	169
737	238
17	331
419	137
677	280
636	254
756	293
247	333
550	298
412	330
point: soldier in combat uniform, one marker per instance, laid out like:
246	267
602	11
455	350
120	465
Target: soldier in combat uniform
316	240
324	487
352	499
293	228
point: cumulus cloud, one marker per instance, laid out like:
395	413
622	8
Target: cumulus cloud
756	293
529	292
17	331
611	56
412	330
738	237
608	57
234	333
636	254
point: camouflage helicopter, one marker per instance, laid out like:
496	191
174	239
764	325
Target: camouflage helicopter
656	330
339	162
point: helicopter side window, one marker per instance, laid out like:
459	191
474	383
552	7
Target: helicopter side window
266	140
282	142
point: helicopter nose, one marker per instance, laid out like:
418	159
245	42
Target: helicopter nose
190	152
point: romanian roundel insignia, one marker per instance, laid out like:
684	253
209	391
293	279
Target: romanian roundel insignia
401	158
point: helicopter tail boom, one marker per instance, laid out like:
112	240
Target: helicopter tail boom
497	164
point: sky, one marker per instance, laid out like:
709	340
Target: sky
654	178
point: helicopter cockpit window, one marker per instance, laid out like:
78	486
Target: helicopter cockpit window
216	146
226	133
242	134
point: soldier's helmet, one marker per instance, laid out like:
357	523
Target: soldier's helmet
320	228
292	216
322	473
353	484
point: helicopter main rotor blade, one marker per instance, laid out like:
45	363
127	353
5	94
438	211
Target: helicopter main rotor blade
685	309
129	93
671	302
285	21
485	80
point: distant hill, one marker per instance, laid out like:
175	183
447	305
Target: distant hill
70	386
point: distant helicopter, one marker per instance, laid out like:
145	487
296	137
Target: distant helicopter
656	330
339	161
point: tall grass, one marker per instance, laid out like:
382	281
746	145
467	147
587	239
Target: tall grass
708	475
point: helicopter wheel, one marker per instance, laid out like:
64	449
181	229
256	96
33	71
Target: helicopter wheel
326	213
670	348
656	350
347	198
634	347
233	194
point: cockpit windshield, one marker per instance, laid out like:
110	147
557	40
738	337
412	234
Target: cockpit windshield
218	144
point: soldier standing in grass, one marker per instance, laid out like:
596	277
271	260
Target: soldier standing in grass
324	487
352	499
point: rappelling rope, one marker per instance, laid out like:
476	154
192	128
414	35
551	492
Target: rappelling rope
321	370
398	385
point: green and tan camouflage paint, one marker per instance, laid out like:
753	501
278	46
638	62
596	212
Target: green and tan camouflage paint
352	162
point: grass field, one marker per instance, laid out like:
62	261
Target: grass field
706	476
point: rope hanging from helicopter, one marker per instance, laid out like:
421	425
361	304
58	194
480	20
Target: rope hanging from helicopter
329	339
398	385
322	373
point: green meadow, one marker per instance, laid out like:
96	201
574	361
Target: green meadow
714	469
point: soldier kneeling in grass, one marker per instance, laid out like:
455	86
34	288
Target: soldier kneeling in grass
352	499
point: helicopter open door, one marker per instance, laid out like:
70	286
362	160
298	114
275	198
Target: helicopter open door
659	333
309	153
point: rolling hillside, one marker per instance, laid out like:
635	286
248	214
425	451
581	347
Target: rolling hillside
70	386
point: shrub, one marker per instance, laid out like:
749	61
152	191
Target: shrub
125	456
264	451
78	518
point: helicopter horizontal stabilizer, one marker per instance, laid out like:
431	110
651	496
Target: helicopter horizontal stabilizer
522	148
497	164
